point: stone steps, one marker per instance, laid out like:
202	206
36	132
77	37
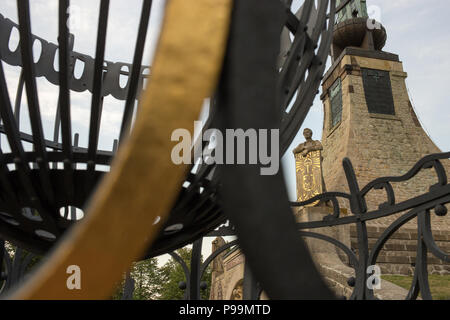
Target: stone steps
407	245
405	269
406	257
376	232
401	245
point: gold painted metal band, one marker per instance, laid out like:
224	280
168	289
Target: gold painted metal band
143	182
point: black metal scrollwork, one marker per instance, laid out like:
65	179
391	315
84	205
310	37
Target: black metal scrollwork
419	207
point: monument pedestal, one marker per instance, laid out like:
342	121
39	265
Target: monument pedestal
323	250
331	263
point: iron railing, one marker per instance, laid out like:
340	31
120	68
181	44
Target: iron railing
36	186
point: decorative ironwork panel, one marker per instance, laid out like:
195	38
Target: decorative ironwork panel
378	91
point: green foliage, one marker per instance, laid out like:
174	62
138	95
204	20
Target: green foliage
147	281
118	292
150	281
162	283
12	251
439	285
172	274
18	256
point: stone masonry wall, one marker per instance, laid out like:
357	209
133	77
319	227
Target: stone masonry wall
378	145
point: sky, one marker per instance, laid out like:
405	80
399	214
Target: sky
120	43
418	32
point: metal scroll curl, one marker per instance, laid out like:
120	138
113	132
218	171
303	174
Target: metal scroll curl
420	207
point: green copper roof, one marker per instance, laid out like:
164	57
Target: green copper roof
353	9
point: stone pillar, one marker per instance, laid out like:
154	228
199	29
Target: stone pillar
320	249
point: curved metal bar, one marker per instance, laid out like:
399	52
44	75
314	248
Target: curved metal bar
389	193
414	290
79	155
215	254
294	55
292	121
394	227
422	261
186	271
48	143
311	40
33	101
426	162
256	25
194	288
326	197
361	290
135	70
440	172
18	101
359	208
357	203
427	201
12	132
63	115
425	225
425	241
350	254
97	99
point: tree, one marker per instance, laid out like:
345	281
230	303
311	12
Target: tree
172	274
147	281
153	282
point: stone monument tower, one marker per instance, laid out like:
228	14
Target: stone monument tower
368	116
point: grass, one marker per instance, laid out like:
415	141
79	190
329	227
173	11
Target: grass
439	285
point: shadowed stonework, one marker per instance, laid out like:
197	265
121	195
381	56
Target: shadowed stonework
382	136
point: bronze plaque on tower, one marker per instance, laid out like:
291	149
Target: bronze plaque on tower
378	91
